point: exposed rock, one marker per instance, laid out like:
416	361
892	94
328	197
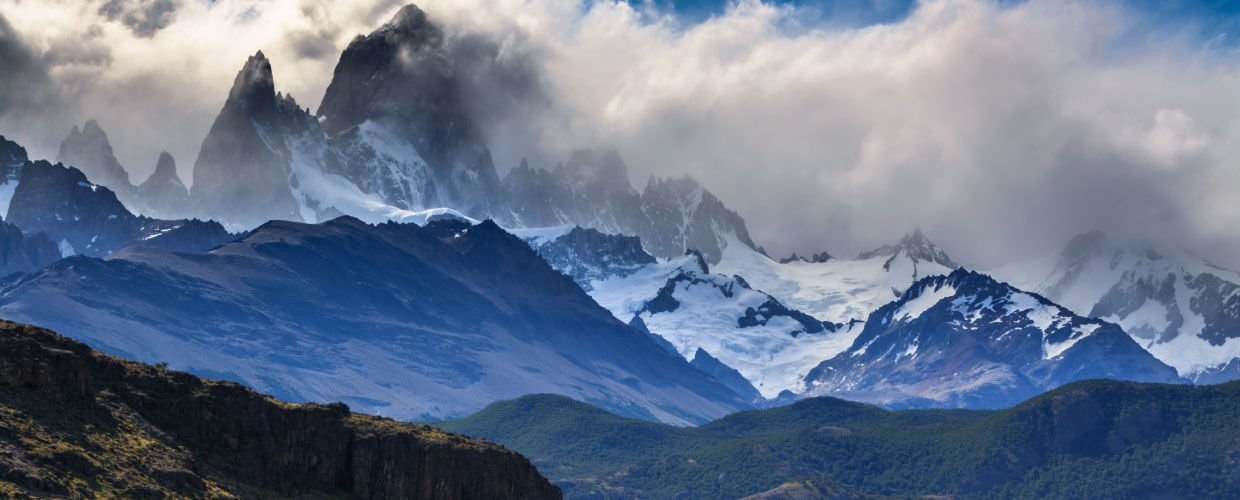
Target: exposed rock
916	247
78	423
22	253
242	174
12	158
588	255
87	219
400	81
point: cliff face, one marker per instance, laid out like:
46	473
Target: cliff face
78	423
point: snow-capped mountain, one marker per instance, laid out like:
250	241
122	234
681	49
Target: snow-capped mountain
88	219
771	345
967	340
395	110
396	319
587	255
390	138
593	190
1181	308
840	290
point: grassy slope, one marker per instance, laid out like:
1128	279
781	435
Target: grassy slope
1090	439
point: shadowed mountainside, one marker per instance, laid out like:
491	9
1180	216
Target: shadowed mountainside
77	423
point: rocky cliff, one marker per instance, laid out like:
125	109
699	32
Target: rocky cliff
77	423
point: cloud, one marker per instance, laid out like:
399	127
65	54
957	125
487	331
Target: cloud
25	80
143	17
1000	128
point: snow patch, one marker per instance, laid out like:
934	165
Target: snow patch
1056	349
917	306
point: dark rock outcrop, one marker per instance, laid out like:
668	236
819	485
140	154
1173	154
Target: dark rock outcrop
22	253
401	79
817	258
588	255
78	423
88	219
242	174
916	247
12	158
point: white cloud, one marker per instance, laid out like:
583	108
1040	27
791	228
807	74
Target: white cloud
996	129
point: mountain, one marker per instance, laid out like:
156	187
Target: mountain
841	290
1094	439
395	90
966	340
817	258
163	194
685	216
396	319
726	375
88	219
23	253
12	159
242	174
1181	308
393	137
587	255
88	149
77	423
740	329
390	137
592	190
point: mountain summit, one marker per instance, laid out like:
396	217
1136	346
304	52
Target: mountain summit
89	150
968	340
396	90
916	247
1182	308
163	194
242	174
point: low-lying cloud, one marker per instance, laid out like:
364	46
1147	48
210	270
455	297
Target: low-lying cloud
999	128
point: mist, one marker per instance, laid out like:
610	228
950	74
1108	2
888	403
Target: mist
1000	129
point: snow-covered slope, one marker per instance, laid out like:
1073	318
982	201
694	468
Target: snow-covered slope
681	301
840	290
1183	309
966	340
391	139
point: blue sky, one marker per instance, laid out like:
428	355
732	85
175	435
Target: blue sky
1212	18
